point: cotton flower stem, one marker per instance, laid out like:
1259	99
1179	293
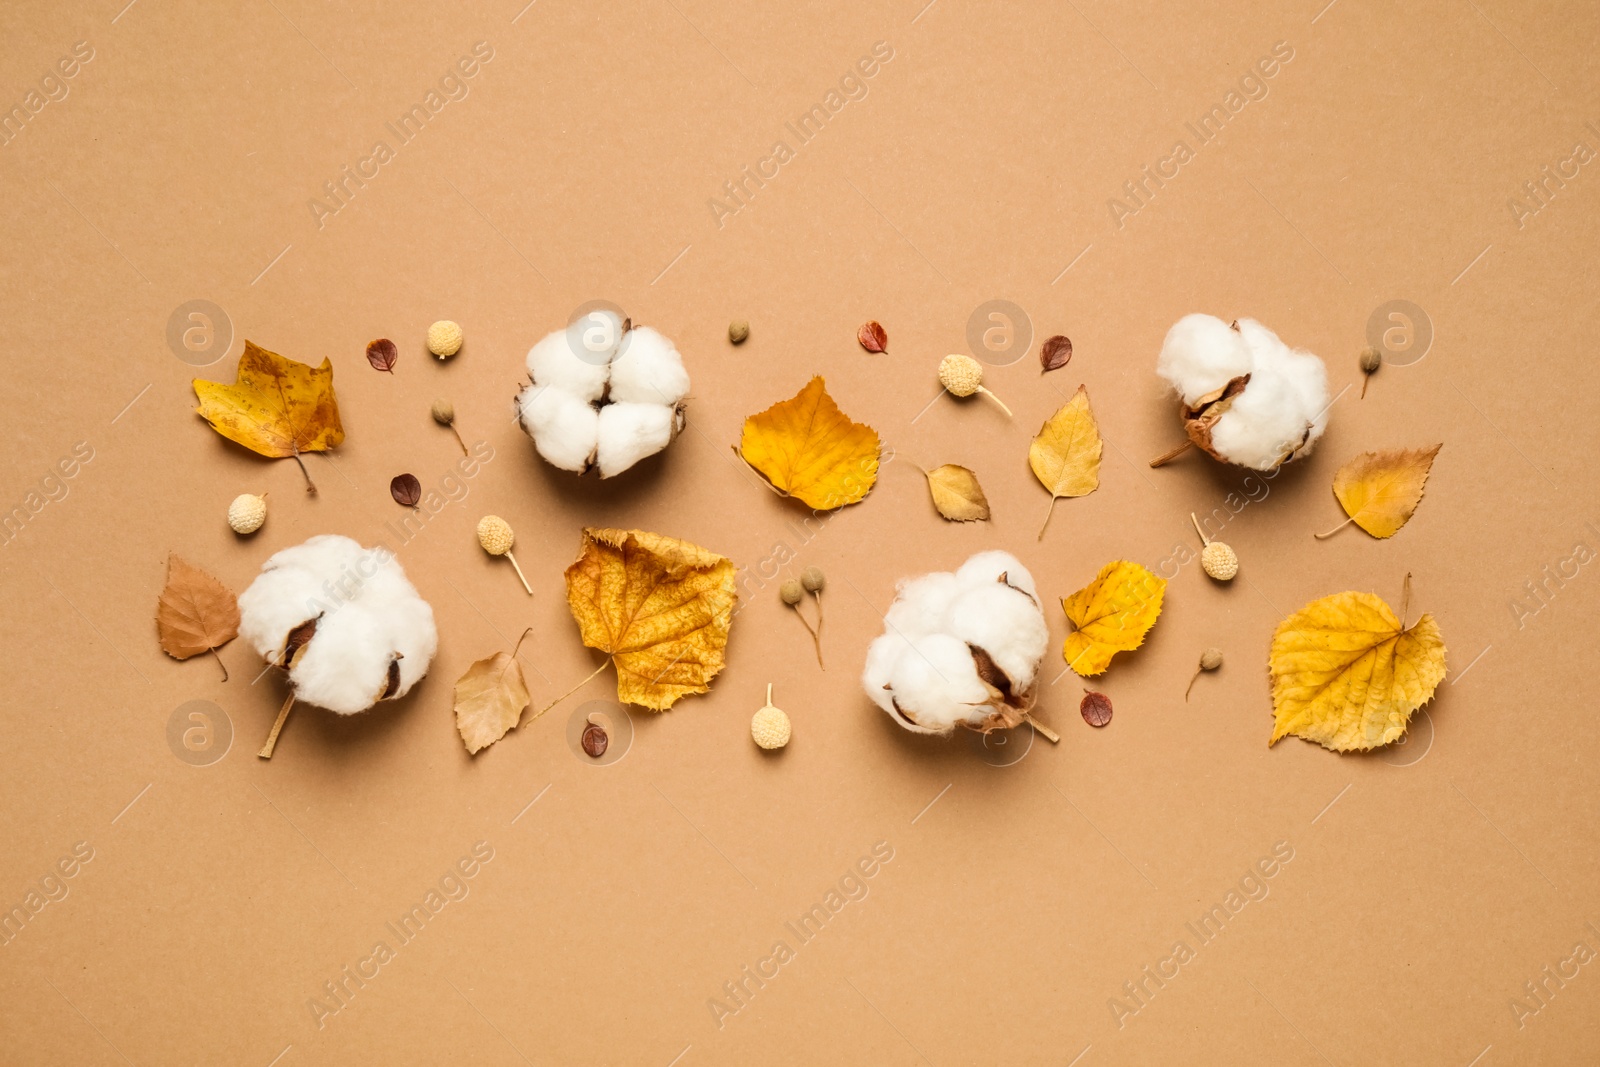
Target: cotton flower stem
518	569
1045	731
985	391
569	692
221	664
1336	529
1171	454
272	738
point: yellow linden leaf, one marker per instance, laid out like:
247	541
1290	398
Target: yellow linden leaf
1065	456
277	407
1380	490
661	608
957	494
807	448
1347	676
1112	614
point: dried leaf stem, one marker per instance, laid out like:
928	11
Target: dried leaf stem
1336	529
569	692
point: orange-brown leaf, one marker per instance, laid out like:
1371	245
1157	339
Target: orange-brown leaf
195	613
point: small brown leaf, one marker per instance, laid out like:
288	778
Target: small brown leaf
405	489
195	613
1055	353
382	354
873	337
957	494
489	700
594	740
1095	709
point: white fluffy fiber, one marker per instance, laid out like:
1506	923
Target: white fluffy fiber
923	662
610	406
367	613
1288	389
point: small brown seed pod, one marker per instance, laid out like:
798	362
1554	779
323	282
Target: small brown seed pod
1210	660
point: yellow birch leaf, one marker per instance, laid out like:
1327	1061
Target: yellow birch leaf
489	700
659	607
1380	490
807	448
276	407
1065	456
957	494
1112	614
1347	676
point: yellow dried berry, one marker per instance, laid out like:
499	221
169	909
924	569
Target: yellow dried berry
247	513
444	338
770	727
1216	558
790	592
963	376
494	534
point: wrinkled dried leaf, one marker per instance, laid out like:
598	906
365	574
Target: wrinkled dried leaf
1112	614
873	337
807	448
1095	708
1381	490
382	354
195	613
957	494
490	699
1065	456
660	607
1347	676
405	489
594	740
1055	353
276	407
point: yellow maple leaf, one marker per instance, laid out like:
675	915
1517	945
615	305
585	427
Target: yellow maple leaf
1112	614
1065	456
660	607
276	407
1380	490
807	448
1347	675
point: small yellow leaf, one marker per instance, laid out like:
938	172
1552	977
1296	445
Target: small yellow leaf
1347	676
490	698
807	448
957	494
1065	456
1112	614
661	608
1380	490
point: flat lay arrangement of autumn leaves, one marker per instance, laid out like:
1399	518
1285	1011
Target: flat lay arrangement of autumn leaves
345	629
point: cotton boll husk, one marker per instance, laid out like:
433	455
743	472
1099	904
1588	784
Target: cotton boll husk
1006	624
553	363
936	680
919	604
648	370
564	428
1201	354
629	432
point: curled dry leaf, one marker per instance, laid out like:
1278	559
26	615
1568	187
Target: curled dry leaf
807	448
1095	708
1348	675
1111	614
1381	490
1065	456
276	407
382	354
659	607
490	699
957	494
1055	353
873	337
405	489
195	613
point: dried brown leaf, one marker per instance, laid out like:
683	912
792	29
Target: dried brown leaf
195	613
490	698
1055	353
873	337
1095	708
405	489
382	354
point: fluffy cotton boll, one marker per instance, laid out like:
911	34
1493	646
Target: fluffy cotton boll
367	616
630	432
1005	623
988	567
1201	355
919	604
564	428
554	363
648	370
882	655
1288	392
936	683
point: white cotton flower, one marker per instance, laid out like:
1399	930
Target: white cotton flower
343	620
960	649
1248	398
604	394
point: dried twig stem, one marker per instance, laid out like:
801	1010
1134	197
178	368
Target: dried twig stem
1171	454
272	738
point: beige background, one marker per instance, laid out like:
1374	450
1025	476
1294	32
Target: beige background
1425	888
